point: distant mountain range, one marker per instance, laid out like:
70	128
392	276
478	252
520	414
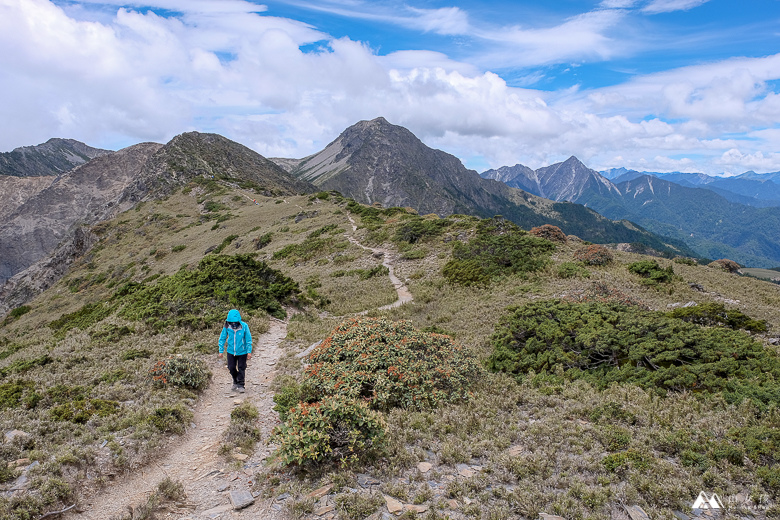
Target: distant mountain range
711	214
753	189
375	161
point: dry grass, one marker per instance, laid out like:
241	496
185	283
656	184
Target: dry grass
560	468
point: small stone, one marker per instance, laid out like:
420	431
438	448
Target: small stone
467	501
452	503
324	510
13	434
241	499
545	516
366	481
515	450
240	456
393	505
424	467
283	497
321	492
636	513
222	487
237	401
216	511
415	508
466	472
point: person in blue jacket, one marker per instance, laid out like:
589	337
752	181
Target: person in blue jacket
236	340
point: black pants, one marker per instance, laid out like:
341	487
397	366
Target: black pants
237	368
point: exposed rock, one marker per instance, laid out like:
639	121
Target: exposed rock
366	481
636	513
241	499
545	516
424	467
16	434
320	492
393	505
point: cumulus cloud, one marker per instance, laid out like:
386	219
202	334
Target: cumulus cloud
286	89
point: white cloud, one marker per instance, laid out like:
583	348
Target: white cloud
735	161
667	6
233	69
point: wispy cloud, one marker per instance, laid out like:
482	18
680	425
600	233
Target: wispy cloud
667	6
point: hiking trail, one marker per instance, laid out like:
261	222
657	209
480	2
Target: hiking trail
193	459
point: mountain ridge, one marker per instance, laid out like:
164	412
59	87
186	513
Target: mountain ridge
54	157
376	161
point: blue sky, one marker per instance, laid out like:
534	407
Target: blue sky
656	85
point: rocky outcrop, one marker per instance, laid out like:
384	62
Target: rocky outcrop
54	157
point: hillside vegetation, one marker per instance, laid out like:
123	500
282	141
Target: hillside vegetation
611	399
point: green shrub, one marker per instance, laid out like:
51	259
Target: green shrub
418	229
23	365
390	365
180	247
684	260
170	419
290	394
594	255
357	506
770	476
19	311
712	314
245	412
337	428
615	438
226	242
83	318
651	272
313	245
213	206
626	459
81	411
262	241
112	333
12	393
608	342
572	270
135	353
197	299
500	248
179	371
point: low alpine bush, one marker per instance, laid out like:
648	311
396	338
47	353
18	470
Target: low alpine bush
716	314
337	428
549	232
651	272
608	342
390	364
594	255
184	372
500	248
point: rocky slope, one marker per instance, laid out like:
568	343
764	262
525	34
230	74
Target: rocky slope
41	237
375	161
53	157
15	191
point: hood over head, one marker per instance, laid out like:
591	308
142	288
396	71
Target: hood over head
233	315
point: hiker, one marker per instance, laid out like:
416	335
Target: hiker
237	341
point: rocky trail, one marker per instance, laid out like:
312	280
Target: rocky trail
215	488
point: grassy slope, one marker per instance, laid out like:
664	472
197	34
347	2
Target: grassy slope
560	468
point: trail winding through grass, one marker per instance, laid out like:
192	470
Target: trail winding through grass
193	459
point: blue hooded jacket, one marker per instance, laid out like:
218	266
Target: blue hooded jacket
236	342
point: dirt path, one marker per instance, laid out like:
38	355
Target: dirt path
388	260
208	478
193	459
